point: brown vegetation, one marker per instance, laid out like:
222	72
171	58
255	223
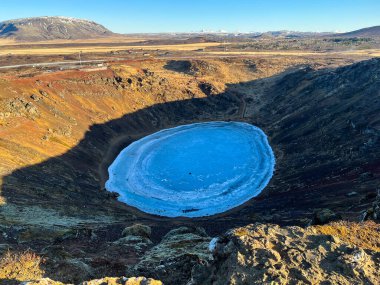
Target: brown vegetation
21	266
364	235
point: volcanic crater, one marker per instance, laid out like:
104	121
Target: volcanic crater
321	121
293	107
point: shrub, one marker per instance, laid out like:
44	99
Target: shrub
21	266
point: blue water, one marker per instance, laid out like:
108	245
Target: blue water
193	170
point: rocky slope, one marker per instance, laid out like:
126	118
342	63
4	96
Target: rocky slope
369	32
102	281
51	28
338	253
269	254
59	131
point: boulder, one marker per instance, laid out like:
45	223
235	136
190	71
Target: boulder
136	238
137	230
325	216
373	213
43	281
269	254
72	271
123	281
174	257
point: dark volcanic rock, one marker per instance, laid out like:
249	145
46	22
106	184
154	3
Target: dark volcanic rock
374	211
325	216
137	230
174	257
208	88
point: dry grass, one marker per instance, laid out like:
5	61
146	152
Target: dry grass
293	53
4	42
364	235
21	266
115	39
103	48
369	52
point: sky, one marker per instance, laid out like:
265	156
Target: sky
152	16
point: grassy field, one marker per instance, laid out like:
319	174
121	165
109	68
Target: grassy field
41	50
8	47
116	39
367	52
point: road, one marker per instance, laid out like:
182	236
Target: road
47	64
76	62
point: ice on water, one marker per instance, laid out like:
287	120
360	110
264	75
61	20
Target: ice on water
193	170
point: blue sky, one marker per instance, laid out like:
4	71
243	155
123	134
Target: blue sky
131	16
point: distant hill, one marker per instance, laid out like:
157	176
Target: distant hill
289	34
362	33
51	28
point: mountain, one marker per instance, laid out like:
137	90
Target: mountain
51	28
290	34
366	32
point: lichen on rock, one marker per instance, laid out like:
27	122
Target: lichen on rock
102	281
174	257
269	254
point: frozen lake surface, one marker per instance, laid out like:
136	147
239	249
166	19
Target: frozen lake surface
193	170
